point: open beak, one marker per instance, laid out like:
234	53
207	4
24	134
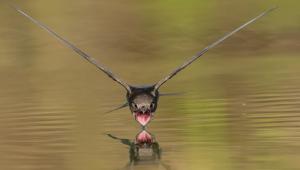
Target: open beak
143	117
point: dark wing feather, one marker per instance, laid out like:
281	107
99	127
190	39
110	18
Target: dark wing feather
119	107
195	57
77	50
171	94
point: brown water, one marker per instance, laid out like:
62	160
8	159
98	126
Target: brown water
241	106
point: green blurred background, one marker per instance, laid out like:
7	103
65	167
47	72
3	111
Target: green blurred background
240	110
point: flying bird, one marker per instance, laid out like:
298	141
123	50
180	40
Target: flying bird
142	100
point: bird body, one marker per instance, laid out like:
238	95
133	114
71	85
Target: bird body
142	100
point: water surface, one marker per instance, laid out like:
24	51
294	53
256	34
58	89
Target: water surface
241	106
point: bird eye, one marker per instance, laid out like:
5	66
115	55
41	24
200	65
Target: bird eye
134	105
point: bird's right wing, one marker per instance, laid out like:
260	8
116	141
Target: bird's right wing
74	48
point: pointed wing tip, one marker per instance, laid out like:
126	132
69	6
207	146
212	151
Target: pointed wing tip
15	7
173	94
271	9
118	108
109	111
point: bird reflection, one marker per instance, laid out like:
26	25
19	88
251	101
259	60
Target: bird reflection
143	150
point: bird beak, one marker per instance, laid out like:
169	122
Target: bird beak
143	117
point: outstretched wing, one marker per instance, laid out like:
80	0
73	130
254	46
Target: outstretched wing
172	94
118	108
195	57
77	50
